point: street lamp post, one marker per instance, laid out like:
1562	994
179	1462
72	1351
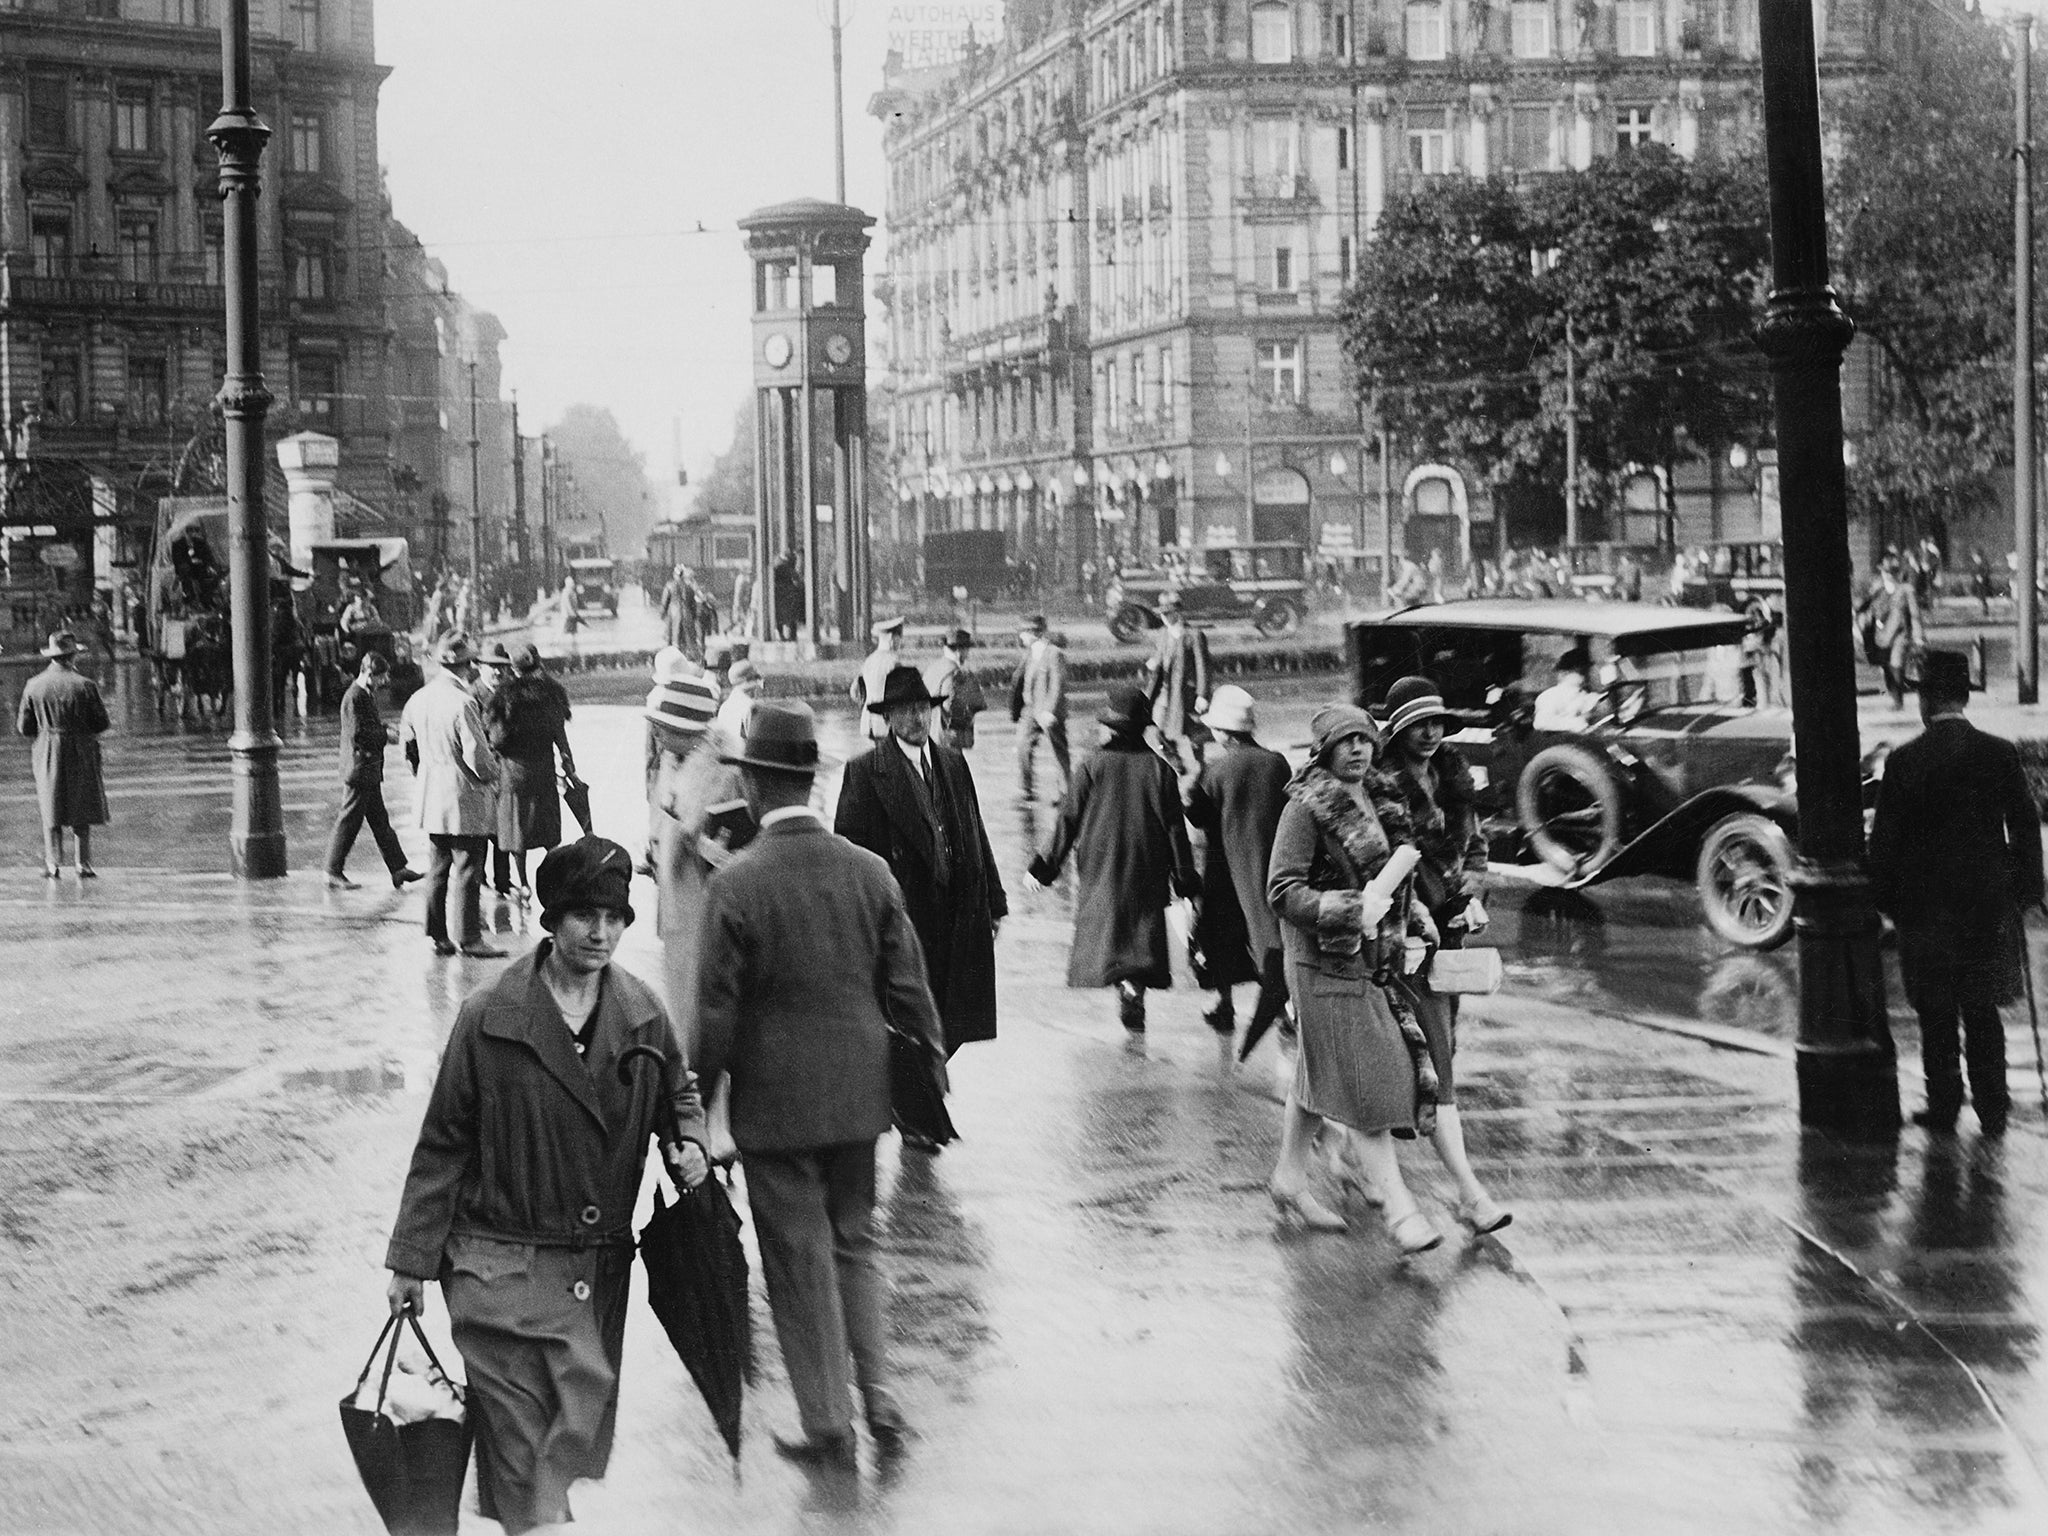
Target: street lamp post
1847	1069
256	846
476	512
2026	529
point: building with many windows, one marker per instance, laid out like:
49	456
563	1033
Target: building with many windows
112	328
1117	242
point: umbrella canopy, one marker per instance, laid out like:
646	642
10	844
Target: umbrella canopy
697	1279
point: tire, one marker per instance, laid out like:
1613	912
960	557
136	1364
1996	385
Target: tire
1277	618
1744	876
1127	623
1570	807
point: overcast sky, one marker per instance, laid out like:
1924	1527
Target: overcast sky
559	158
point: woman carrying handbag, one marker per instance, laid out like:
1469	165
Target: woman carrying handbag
1438	794
1364	1064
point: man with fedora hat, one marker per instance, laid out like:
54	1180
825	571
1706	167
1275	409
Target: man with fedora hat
912	802
874	673
1038	703
364	735
1177	684
808	961
1236	801
442	730
65	715
1955	856
956	695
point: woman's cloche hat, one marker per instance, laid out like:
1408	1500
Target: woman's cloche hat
1231	709
1411	701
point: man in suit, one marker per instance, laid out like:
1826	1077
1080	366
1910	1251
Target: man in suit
1955	854
1177	685
912	801
364	736
442	730
1038	703
1889	616
807	961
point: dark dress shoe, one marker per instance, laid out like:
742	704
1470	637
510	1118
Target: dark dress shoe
484	952
341	883
443	947
401	878
1935	1121
833	1452
1222	1020
912	1142
892	1438
1132	1007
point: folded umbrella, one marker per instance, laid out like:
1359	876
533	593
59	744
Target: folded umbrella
697	1278
915	1095
576	794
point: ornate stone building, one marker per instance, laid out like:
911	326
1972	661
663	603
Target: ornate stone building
1118	239
112	330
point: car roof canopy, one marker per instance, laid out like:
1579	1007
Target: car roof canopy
1630	627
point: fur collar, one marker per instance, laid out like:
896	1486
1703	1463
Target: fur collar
1366	840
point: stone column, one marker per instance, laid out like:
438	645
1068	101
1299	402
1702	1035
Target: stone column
1691	102
310	462
1585	104
1374	99
1477	159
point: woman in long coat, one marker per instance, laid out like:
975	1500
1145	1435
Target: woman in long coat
519	1200
1236	801
1440	798
1122	821
1364	1063
528	720
63	712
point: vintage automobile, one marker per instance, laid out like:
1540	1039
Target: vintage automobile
1671	774
595	587
1258	584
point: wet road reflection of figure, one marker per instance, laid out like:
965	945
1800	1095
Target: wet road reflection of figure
1955	853
1444	815
1364	1064
1122	821
1236	800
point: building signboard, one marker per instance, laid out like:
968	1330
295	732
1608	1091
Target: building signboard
928	34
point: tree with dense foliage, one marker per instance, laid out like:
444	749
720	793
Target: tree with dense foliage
1920	216
611	477
1458	322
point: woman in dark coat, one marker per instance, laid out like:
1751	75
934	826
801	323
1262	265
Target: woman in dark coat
1438	792
520	1196
1122	821
1364	1063
1236	801
63	712
528	719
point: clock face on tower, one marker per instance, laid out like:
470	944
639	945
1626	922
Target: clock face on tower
776	351
839	349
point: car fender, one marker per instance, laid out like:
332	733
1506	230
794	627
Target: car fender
1669	845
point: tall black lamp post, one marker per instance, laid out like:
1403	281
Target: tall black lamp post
256	835
1848	1077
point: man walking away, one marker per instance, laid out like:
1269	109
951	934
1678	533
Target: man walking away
1121	819
1955	856
65	715
364	736
956	695
1038	703
874	673
912	802
808	960
1237	801
1889	619
442	731
1177	686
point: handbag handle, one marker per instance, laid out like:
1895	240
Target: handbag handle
391	1358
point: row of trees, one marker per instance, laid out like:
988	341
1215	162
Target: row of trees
1650	273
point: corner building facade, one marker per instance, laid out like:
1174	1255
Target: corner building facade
1118	240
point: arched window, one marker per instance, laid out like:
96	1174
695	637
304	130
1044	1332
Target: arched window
1272	34
1433	497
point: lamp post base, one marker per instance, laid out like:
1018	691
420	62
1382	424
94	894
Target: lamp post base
1847	1066
256	849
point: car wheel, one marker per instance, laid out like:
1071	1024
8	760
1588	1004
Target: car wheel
1127	623
1570	807
1277	618
1744	876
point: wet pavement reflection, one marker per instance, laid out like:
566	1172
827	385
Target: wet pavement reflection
1701	1319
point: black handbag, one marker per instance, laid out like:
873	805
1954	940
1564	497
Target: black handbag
412	1472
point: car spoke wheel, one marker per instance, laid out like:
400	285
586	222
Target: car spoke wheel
1277	618
1570	807
1744	876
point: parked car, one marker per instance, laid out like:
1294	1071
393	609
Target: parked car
1673	775
1256	584
595	586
